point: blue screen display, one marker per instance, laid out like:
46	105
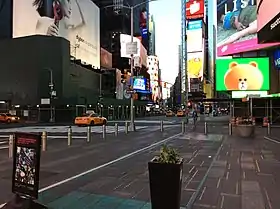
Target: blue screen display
276	58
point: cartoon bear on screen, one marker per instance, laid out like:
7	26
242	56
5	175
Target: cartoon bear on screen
243	77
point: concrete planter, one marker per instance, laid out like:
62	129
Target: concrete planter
244	131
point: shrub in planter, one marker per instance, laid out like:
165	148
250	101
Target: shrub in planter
165	176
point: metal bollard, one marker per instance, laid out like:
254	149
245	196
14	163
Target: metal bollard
161	126
126	127
69	136
183	127
268	129
230	129
44	141
11	146
205	128
104	131
88	134
116	129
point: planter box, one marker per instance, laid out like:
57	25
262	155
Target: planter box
245	131
165	184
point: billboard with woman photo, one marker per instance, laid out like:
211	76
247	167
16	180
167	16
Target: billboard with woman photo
75	20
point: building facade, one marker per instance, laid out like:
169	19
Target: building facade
152	36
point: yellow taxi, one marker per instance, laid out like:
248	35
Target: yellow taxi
90	119
169	113
8	118
180	113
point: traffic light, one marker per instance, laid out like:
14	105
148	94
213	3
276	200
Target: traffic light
124	76
164	85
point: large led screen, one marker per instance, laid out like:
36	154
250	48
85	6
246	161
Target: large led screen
194	36
75	20
242	74
237	27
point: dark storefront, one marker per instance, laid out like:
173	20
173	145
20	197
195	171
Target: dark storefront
27	65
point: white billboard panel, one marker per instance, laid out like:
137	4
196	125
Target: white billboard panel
124	39
75	20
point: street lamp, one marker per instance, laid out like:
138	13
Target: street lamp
131	8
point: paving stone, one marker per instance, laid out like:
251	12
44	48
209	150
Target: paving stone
250	187
216	172
245	165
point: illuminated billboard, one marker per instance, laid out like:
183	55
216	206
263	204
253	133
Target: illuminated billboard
153	70
237	27
195	71
194	36
242	74
268	22
194	9
75	20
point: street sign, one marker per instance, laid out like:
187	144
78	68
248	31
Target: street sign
131	48
253	96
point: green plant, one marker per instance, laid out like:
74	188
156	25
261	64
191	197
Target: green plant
168	155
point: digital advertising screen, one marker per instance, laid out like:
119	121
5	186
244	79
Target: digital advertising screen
195	65
195	9
276	58
75	20
26	164
194	36
268	22
242	74
139	84
237	27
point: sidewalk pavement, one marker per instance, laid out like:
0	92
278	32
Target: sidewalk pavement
246	175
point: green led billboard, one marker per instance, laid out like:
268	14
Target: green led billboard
242	74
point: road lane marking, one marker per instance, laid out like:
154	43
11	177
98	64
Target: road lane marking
272	140
222	201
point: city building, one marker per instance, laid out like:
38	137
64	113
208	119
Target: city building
152	36
193	51
6	14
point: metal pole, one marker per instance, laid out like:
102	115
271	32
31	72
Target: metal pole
88	133
161	126
230	129
44	141
126	127
251	107
51	96
11	146
271	111
183	127
104	131
69	138
205	128
100	84
116	129
131	69
268	129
